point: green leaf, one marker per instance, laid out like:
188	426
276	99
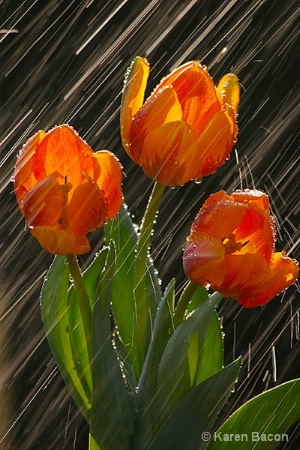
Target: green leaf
186	362
162	330
93	445
54	312
77	335
196	413
134	334
111	424
199	297
188	357
263	421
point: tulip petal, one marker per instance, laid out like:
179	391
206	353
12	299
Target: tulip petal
110	181
281	274
44	203
219	219
60	242
216	142
228	91
133	95
245	275
196	93
87	209
286	271
256	233
63	151
167	152
203	259
24	179
253	197
215	197
160	108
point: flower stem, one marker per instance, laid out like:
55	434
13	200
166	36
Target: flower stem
141	293
183	302
83	300
148	220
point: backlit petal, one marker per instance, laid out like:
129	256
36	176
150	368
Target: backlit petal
60	242
63	151
196	93
245	273
219	219
43	204
253	197
159	108
256	232
24	178
215	143
286	271
203	260
110	181
283	272
168	152
133	95
228	91
87	209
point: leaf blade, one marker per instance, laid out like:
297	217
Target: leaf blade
271	413
54	310
196	413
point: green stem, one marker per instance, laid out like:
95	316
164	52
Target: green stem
142	302
83	300
145	237
183	302
148	221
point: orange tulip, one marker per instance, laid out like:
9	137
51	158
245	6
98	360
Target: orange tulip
186	128
64	190
231	248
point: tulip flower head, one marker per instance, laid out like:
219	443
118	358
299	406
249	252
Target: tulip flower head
231	249
186	128
64	190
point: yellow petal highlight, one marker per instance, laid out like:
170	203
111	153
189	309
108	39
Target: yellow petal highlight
159	109
133	95
167	151
228	91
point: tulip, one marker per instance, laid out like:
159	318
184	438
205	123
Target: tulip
187	127
231	249
64	190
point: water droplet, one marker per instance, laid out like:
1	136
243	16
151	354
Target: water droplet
198	181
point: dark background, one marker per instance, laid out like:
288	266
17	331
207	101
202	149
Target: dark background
64	61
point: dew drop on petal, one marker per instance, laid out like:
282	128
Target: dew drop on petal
198	181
